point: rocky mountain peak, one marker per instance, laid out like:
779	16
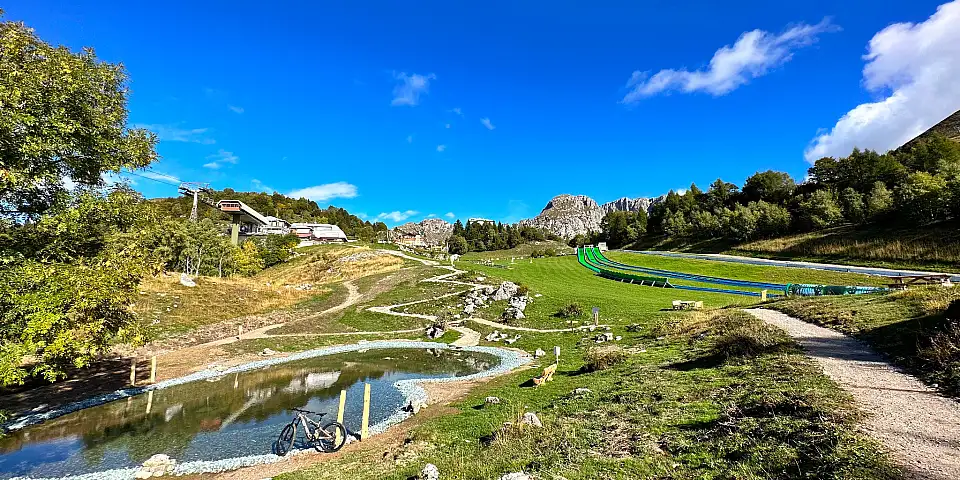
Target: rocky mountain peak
570	215
434	231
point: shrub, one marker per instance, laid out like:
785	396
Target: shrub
603	357
522	290
571	310
740	335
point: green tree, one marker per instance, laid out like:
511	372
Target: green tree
772	220
820	210
741	223
64	116
770	186
457	245
617	229
852	204
247	260
923	198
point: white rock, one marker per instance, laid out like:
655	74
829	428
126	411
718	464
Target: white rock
539	353
582	391
506	290
531	419
537	295
267	352
491	400
516	476
186	281
618	338
430	472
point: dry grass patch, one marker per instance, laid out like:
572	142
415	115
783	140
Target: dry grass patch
603	357
332	264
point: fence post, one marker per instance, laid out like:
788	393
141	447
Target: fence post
763	295
149	401
343	402
133	372
365	422
153	369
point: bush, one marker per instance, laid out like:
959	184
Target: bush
571	310
741	335
603	357
522	290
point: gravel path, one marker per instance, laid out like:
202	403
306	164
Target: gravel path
920	428
468	337
718	257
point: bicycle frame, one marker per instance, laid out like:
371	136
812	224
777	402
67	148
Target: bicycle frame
312	428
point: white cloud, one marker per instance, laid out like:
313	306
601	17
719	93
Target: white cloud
409	138
260	187
449	215
173	133
432	215
321	193
221	157
752	56
410	87
486	123
915	67
397	216
441	148
446	126
457	111
235	109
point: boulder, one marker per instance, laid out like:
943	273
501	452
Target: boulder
493	336
435	331
430	472
491	400
506	290
516	476
539	353
513	313
156	466
510	341
582	391
531	419
186	281
266	352
519	302
469	309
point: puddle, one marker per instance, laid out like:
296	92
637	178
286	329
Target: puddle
235	415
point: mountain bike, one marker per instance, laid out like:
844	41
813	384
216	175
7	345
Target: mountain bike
328	438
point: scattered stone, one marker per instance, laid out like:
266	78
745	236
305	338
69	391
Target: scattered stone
480	279
634	327
156	466
506	290
435	331
186	281
618	338
582	391
469	309
493	336
539	353
430	472
456	316
592	328
266	352
513	313
537	295
520	302
531	419
510	341
492	401
516	476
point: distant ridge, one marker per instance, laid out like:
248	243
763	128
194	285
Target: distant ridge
949	127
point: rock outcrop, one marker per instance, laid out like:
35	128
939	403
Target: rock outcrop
571	215
434	231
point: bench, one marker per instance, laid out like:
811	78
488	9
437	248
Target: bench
901	282
687	305
547	375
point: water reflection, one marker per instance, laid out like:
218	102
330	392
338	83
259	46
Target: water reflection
223	417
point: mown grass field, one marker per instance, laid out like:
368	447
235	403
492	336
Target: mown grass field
704	395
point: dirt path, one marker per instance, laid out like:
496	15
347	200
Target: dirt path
920	428
468	337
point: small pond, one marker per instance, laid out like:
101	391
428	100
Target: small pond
230	416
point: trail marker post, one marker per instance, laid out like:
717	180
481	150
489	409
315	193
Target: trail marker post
763	295
343	402
365	421
153	369
596	316
133	372
556	353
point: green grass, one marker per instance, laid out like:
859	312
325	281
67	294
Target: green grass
704	395
675	410
908	327
520	251
741	271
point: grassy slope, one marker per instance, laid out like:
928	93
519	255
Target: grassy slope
933	247
677	408
909	327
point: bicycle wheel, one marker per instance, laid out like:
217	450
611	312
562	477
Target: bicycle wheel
285	441
334	439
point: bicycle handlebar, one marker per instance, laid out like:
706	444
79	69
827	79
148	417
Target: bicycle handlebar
308	411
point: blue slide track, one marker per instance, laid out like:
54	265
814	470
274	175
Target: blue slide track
604	261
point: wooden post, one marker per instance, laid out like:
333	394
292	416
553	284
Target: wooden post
153	369
365	422
763	295
236	381
133	372
239	332
343	403
556	353
149	401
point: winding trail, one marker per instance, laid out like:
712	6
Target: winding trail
919	427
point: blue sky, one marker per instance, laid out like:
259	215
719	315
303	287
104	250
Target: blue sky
400	110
